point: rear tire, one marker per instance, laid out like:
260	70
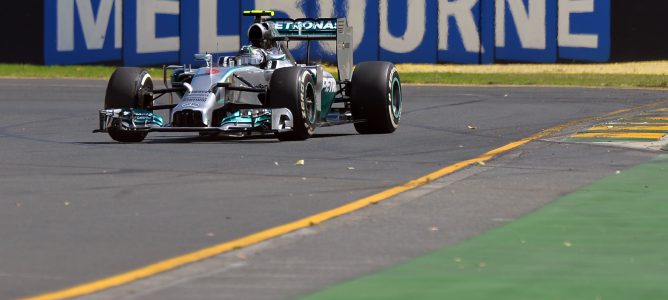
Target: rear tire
128	88
376	97
293	88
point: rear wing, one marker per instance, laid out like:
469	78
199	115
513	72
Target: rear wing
325	29
305	29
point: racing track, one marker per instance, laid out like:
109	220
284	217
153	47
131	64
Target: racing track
78	207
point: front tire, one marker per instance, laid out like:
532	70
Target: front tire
128	88
376	97
293	88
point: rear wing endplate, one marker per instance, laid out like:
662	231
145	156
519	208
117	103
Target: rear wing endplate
344	50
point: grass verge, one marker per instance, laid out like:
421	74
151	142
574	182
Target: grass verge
75	72
557	75
604	241
593	80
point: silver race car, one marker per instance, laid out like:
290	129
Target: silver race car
262	90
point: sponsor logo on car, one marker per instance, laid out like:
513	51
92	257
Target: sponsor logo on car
189	105
329	85
305	26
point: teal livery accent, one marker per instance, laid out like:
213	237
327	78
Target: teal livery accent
215	71
141	118
233	69
396	106
238	118
327	98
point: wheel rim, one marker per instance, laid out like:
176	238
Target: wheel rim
145	93
396	98
309	103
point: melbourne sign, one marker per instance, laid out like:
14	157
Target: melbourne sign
153	32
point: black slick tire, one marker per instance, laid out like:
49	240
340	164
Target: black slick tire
376	100
128	88
293	88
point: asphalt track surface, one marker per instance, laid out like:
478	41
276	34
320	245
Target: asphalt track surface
77	206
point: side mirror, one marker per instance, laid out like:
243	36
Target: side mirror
208	58
227	61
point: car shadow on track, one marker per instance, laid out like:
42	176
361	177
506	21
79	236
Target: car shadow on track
267	139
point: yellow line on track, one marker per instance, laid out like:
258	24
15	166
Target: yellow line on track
172	263
622	128
621	123
620	135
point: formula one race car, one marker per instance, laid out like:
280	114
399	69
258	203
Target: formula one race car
262	90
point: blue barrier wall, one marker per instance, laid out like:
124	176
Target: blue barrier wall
526	30
150	31
154	32
587	34
408	30
78	32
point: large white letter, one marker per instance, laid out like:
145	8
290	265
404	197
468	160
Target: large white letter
530	23
356	19
209	40
118	24
462	10
568	39
65	25
355	11
94	30
415	28
147	42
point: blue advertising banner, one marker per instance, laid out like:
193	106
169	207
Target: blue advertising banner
365	20
487	32
155	32
408	30
82	31
362	16
151	32
459	31
212	26
584	30
526	30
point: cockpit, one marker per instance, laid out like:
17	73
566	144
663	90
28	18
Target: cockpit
249	55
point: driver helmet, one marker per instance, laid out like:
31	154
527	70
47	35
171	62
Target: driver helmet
249	55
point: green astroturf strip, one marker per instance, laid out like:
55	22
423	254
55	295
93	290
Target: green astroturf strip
626	131
648	121
608	240
601	140
636	123
596	80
